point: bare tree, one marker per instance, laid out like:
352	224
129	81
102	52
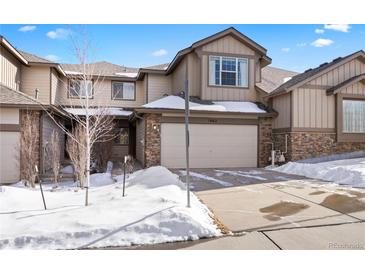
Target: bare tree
77	154
93	120
55	155
29	147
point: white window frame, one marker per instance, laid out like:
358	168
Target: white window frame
70	95
236	72
123	99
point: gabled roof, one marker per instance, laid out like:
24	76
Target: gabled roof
230	31
348	82
9	96
102	68
158	67
312	73
34	58
272	77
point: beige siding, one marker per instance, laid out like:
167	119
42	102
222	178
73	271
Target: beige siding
9	116
48	125
33	78
312	108
228	44
103	95
10	69
140	140
356	88
158	86
179	77
227	93
340	74
282	105
194	80
56	86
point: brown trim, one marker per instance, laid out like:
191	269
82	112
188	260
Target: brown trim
225	86
41	154
303	129
161	110
146	87
281	130
228	54
10	127
341	136
309	86
117	99
291	113
218	121
35	106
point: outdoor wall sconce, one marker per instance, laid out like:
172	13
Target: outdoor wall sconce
156	127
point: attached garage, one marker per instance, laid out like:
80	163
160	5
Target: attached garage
211	145
9	145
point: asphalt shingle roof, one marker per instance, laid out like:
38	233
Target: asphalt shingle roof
272	77
34	58
311	72
9	96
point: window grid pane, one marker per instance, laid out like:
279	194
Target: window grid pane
228	71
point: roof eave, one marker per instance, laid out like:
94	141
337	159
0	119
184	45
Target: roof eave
13	50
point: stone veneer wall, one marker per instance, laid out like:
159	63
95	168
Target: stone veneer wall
36	131
152	150
265	141
304	145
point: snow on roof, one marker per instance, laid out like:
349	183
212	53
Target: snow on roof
72	72
93	111
176	102
127	74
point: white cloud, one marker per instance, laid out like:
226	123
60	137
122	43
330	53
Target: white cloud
319	31
27	28
58	33
160	52
301	44
52	57
322	42
338	27
285	49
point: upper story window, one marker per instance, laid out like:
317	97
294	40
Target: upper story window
228	71
354	116
81	88
123	91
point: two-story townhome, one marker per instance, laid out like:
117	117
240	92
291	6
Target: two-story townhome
240	107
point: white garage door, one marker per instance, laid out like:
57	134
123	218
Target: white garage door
9	167
211	146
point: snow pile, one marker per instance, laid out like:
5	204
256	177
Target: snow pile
346	172
176	102
94	111
154	211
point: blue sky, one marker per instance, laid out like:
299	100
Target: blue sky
291	47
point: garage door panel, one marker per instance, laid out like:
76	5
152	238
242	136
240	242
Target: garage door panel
210	145
9	157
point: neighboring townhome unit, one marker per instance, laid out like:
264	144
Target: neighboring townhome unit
322	111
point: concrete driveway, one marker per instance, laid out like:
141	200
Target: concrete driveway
279	211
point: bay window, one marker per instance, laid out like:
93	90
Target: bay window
228	71
353	116
123	91
80	88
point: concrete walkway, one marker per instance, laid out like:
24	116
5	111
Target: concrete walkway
269	210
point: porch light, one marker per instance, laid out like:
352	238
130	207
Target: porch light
156	127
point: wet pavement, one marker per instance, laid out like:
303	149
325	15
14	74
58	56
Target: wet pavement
272	210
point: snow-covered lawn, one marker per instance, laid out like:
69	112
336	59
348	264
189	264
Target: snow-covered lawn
344	172
153	211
